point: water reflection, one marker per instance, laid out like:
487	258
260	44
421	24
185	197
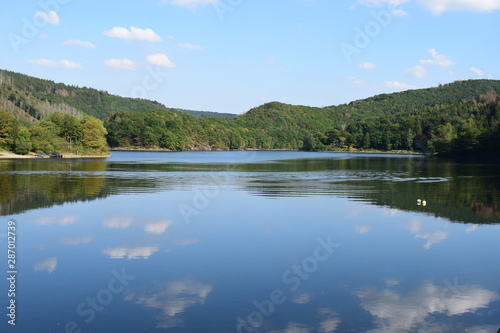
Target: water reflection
139	252
158	228
48	265
172	299
418	309
466	193
327	321
76	241
118	222
415	227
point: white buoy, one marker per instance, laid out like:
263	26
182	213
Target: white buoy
419	202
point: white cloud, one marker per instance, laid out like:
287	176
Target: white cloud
125	64
415	227
173	299
190	46
391	282
69	64
157	227
399	12
44	62
189	3
418	71
471	228
437	59
133	34
61	64
439	6
64	220
160	60
391	212
432	238
363	229
78	42
141	252
398	85
76	241
293	327
367	65
118	222
302	298
479	72
357	81
185	242
48	265
380	3
394	312
50	17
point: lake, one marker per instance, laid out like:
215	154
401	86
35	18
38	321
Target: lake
290	242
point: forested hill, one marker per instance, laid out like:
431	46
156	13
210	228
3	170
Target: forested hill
456	119
29	99
411	100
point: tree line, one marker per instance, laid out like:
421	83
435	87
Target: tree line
465	128
55	133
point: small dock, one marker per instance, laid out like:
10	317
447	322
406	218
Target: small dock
50	155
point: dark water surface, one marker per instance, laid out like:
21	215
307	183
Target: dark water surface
252	242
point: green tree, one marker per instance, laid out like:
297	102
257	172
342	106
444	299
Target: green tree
45	138
8	130
23	142
69	126
367	141
94	135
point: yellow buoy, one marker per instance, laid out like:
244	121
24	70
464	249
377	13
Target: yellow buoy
424	202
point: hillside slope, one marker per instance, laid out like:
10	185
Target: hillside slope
29	99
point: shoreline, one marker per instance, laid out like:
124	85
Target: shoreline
398	152
9	155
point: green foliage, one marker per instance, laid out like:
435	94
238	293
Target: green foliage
456	119
61	132
8	130
23	143
93	135
31	99
45	139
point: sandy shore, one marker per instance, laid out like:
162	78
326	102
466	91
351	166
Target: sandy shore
10	155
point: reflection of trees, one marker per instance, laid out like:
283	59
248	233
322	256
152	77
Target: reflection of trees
459	192
32	184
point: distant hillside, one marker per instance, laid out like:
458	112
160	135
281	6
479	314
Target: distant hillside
455	119
201	114
386	104
29	99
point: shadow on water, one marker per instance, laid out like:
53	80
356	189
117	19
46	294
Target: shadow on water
460	192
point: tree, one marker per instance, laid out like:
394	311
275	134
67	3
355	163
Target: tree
442	139
23	142
45	138
94	135
70	127
8	130
367	140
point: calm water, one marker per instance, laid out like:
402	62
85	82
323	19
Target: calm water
252	242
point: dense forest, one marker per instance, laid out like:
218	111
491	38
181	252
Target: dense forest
459	119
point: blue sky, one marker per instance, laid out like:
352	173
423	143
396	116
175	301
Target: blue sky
232	55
